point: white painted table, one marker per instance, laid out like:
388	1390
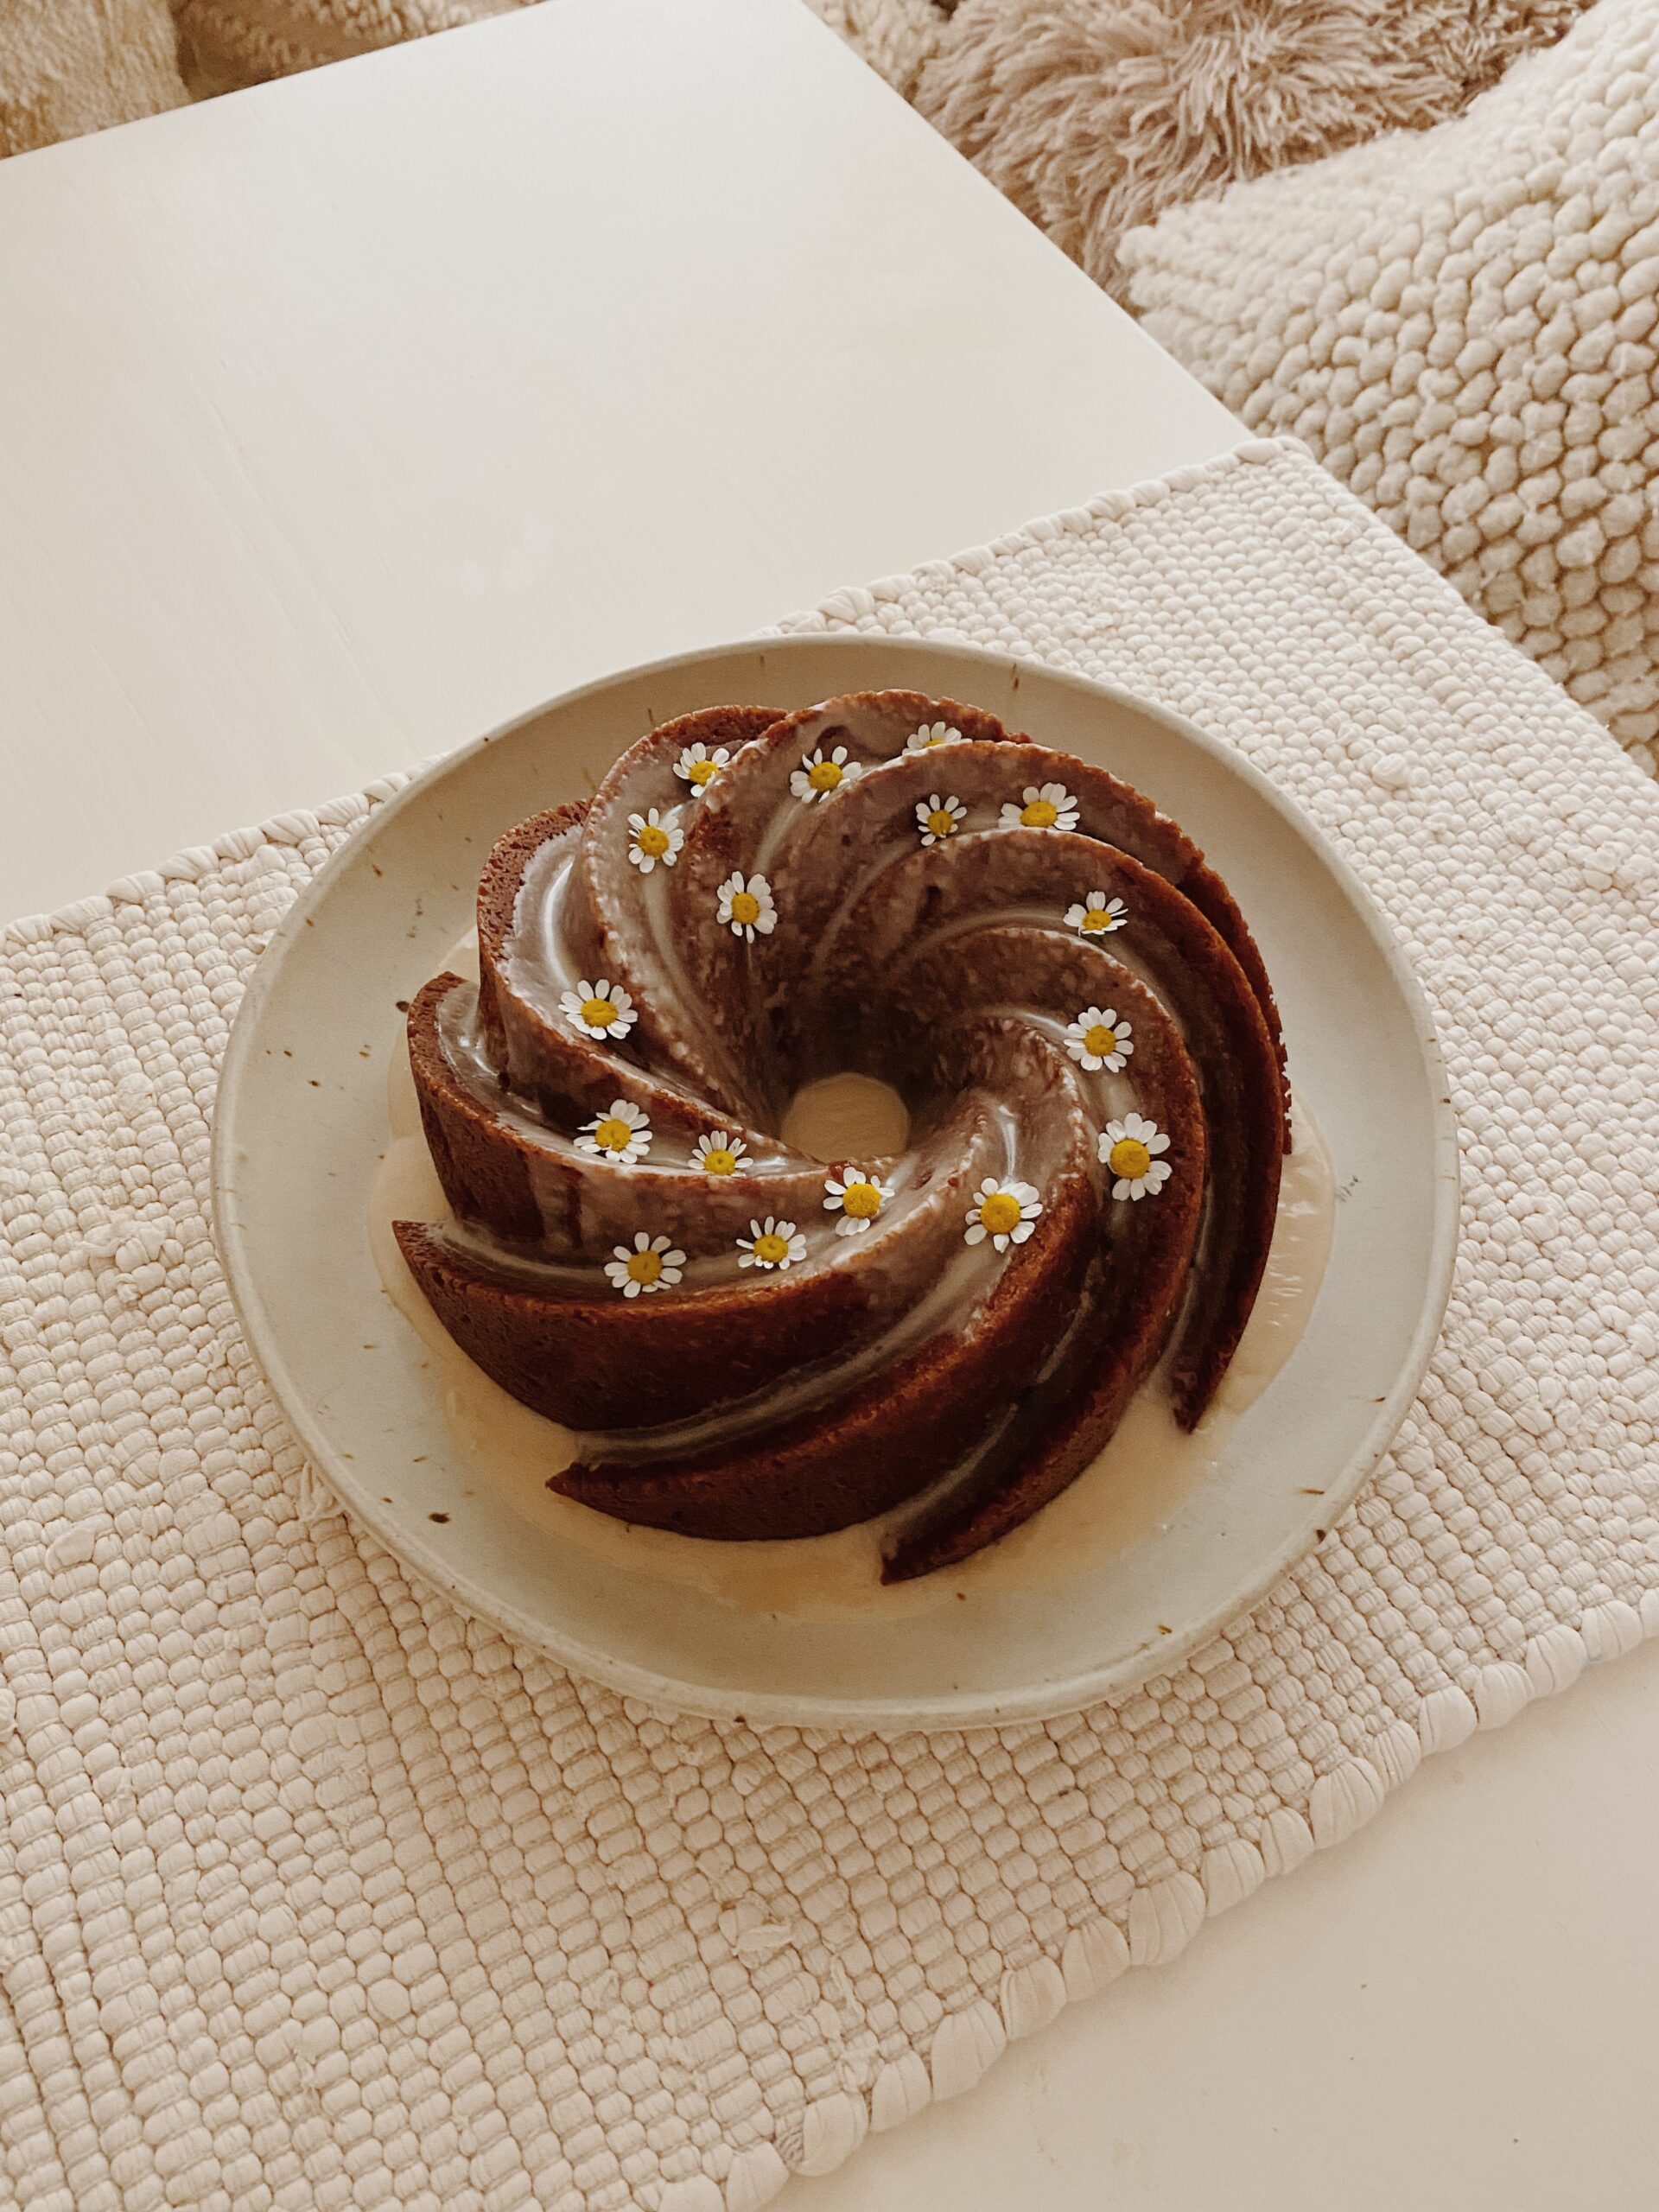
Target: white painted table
345	418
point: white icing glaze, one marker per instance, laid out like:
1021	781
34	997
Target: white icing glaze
538	969
965	1280
1132	1488
1290	1283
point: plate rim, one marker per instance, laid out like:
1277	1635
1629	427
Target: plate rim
763	1707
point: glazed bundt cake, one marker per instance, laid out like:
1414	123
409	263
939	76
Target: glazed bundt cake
750	1342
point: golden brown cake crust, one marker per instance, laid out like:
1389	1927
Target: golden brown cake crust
752	1343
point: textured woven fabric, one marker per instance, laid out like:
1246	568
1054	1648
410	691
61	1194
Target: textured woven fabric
315	1895
225	44
73	65
70	66
1464	327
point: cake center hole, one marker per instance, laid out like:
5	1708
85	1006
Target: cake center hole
846	1118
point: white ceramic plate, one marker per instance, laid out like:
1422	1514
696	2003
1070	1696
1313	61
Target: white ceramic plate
302	1122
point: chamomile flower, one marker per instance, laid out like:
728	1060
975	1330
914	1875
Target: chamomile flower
776	1244
621	1133
654	835
1099	1039
931	733
1043	806
717	1154
698	766
857	1198
598	1010
650	1263
746	906
939	818
1097	915
820	773
1129	1149
1003	1211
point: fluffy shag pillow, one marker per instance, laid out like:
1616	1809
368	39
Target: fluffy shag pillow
1465	328
1095	115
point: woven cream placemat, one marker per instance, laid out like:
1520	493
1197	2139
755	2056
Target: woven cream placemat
314	1895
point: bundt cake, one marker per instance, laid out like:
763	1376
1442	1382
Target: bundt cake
751	1342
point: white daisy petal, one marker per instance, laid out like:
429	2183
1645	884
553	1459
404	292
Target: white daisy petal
939	817
718	1153
1097	915
1004	1211
654	836
858	1197
621	1133
931	734
771	1244
1129	1150
1042	806
651	1264
1099	1040
821	773
746	906
598	1010
698	766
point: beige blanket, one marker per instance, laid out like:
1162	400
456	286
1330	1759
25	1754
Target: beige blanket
225	44
72	66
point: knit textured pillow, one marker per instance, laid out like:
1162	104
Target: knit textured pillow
226	44
69	66
1462	325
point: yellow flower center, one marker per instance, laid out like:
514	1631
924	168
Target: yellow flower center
1099	1039
1129	1158
720	1161
941	822
824	775
646	1267
598	1013
746	907
613	1133
701	772
863	1201
1097	917
653	841
771	1249
932	737
1000	1213
1041	814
